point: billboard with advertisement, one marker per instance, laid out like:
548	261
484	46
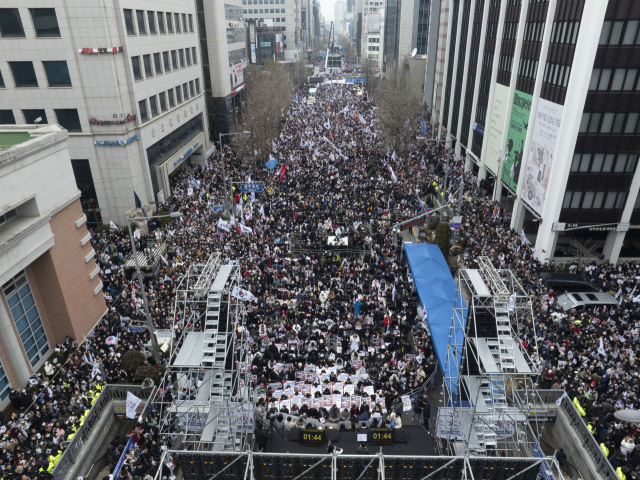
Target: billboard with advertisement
279	43
496	129
541	153
518	125
373	23
236	74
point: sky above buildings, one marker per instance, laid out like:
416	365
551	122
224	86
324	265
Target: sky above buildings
326	9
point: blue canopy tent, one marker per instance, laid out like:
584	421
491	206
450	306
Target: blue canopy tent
437	291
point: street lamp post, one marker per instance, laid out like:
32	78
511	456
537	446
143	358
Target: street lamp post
225	205
149	324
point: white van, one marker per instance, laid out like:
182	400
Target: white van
582	300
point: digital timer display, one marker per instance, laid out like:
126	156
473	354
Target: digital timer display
309	436
382	435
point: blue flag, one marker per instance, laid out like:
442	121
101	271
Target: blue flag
271	163
424	126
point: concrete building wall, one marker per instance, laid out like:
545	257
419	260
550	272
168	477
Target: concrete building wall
47	241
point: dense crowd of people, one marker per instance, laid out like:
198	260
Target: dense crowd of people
334	336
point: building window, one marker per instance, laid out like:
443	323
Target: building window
154	106
57	74
23	74
151	18
45	22
161	22
140	16
163	102
156	63
142	104
178	95
2	85
184	23
128	22
170	95
181	55
30	116
147	65
7	117
169	23
188	54
610	201
10	23
193	54
135	62
176	16
190	23
197	86
69	119
174	59
185	91
165	60
24	311
191	89
7	217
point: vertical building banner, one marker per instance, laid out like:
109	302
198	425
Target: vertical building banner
541	153
496	128
252	41
518	125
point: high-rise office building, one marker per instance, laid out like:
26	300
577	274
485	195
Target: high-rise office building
544	96
224	59
125	82
285	15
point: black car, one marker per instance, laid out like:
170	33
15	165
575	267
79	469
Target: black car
568	282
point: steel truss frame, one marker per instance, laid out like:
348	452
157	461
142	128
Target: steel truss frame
491	404
375	461
196	408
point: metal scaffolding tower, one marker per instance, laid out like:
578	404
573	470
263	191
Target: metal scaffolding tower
204	396
491	402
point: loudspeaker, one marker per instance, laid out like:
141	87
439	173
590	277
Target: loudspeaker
401	436
294	434
332	434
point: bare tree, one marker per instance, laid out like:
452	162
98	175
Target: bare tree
399	109
349	51
371	75
268	94
584	249
299	74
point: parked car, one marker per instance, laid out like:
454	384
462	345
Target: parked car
568	282
581	300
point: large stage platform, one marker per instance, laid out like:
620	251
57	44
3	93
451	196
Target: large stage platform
419	442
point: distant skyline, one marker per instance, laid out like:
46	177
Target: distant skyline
326	9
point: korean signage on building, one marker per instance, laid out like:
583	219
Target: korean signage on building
127	119
518	125
100	50
252	40
117	143
541	153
